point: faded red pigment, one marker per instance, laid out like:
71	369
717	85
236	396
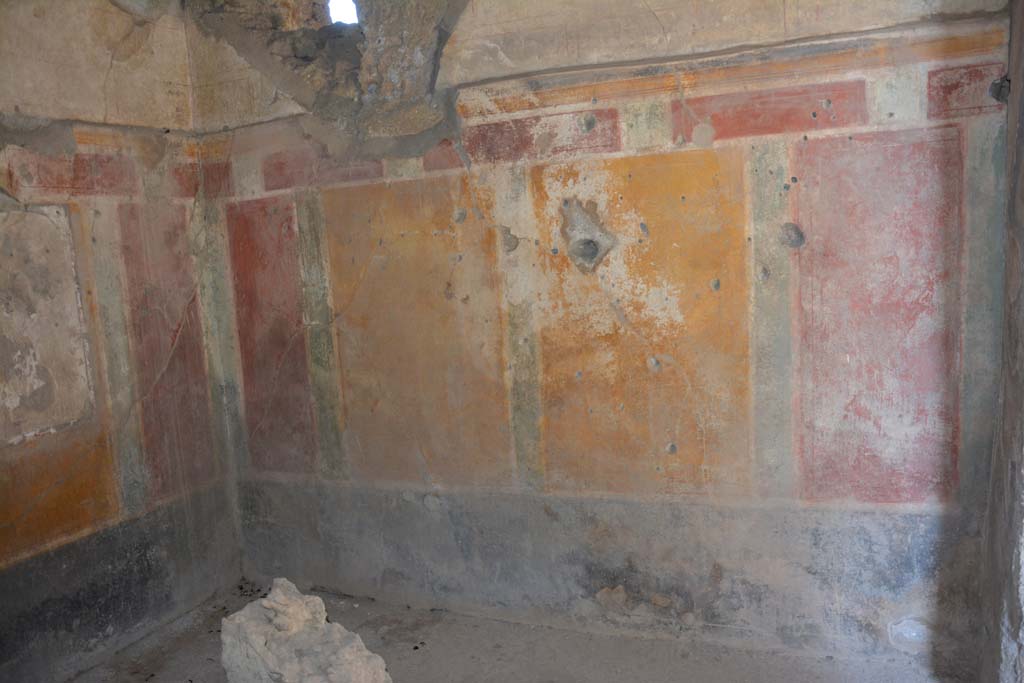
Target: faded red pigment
167	347
213	176
302	167
81	174
768	112
878	315
441	157
264	244
589	132
963	90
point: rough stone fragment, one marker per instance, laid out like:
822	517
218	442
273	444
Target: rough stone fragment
285	638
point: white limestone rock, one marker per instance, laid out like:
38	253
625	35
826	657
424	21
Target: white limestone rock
285	638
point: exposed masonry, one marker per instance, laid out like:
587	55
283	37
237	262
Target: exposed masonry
374	83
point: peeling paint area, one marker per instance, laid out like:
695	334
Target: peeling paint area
44	371
645	356
419	325
879	314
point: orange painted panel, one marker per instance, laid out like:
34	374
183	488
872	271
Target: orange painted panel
417	304
55	487
645	385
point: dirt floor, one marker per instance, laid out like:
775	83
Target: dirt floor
436	646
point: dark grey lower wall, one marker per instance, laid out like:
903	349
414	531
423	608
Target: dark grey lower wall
62	610
845	582
1004	547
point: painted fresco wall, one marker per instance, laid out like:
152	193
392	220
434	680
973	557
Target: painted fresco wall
705	348
708	348
113	508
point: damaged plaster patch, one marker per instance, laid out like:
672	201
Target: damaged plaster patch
26	382
703	135
44	371
588	241
509	241
50	138
629	292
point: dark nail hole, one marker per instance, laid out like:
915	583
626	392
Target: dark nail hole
587	249
792	236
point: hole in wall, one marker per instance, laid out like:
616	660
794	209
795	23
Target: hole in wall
343	11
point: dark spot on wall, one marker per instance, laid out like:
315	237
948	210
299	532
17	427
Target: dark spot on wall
622	586
586	249
799	636
509	242
552	513
585	234
1000	90
791	236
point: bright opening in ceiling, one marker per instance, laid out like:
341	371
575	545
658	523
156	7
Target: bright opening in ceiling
343	11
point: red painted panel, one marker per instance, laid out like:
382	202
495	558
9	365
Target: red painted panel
51	173
216	179
543	136
83	174
962	90
878	315
28	170
301	167
105	174
768	112
167	348
289	168
268	300
441	157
